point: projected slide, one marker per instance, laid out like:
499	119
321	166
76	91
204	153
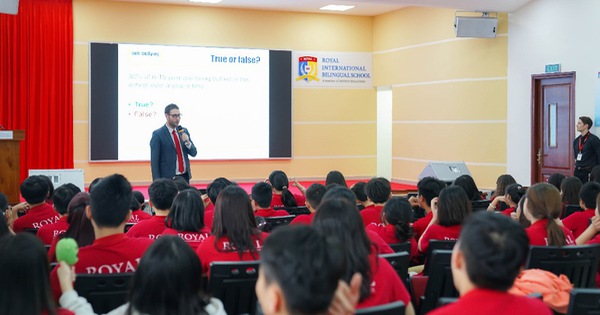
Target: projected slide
226	98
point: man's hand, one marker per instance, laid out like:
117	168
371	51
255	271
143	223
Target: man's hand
185	138
414	201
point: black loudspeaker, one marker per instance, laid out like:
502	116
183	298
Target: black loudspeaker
9	6
445	171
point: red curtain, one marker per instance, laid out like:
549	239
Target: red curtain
36	81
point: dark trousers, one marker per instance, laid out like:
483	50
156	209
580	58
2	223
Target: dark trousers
582	173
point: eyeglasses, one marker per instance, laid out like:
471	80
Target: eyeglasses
175	115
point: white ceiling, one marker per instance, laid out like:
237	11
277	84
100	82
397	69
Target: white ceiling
363	7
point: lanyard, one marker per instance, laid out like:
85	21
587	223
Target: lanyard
584	140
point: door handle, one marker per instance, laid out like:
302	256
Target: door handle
539	157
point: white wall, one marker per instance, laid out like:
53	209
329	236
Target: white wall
545	32
384	132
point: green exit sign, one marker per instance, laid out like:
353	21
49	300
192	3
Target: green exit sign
553	68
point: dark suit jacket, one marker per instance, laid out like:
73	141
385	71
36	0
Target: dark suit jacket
163	155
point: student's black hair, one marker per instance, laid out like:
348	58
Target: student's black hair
494	248
335	177
187	212
80	227
543	202
93	183
570	187
588	193
3	203
284	260
522	220
398	213
216	187
139	196
63	195
516	192
453	206
587	121
170	107
180	183
429	188
110	201
234	218
595	174
262	194
3	225
555	179
280	182
338	191
314	194
168	280
338	218
25	275
50	195
502	182
161	193
135	200
467	183
34	189
359	191
378	189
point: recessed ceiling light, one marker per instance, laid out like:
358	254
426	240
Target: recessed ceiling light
337	7
206	1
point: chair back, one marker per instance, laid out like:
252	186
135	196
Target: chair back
394	308
293	210
275	222
578	263
480	205
436	245
105	292
399	262
401	247
570	209
584	302
233	283
440	283
128	226
31	230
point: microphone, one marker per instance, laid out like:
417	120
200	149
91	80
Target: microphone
180	130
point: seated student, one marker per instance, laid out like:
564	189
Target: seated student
80	227
378	191
186	218
555	179
449	210
34	190
338	219
282	196
428	188
314	195
262	193
502	182
361	197
335	177
485	262
542	208
511	198
62	197
162	192
397	215
137	214
50	197
212	191
569	192
579	221
287	283
168	280
180	183
467	183
24	270
112	251
235	235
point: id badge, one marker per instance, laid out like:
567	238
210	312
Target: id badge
579	157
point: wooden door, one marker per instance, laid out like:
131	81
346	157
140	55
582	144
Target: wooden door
553	125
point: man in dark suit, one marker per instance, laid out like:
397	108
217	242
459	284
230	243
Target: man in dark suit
170	146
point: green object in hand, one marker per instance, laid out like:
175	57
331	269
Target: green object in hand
66	250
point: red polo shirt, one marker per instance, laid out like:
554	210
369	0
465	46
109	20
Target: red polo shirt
539	237
36	217
48	232
371	214
579	221
151	228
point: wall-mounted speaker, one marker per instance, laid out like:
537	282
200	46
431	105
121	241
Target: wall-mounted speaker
445	171
481	27
9	6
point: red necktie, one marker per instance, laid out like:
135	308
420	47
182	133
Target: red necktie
179	155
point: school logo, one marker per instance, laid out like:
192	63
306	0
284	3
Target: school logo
307	69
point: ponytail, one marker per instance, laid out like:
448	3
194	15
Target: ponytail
556	236
403	231
287	198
